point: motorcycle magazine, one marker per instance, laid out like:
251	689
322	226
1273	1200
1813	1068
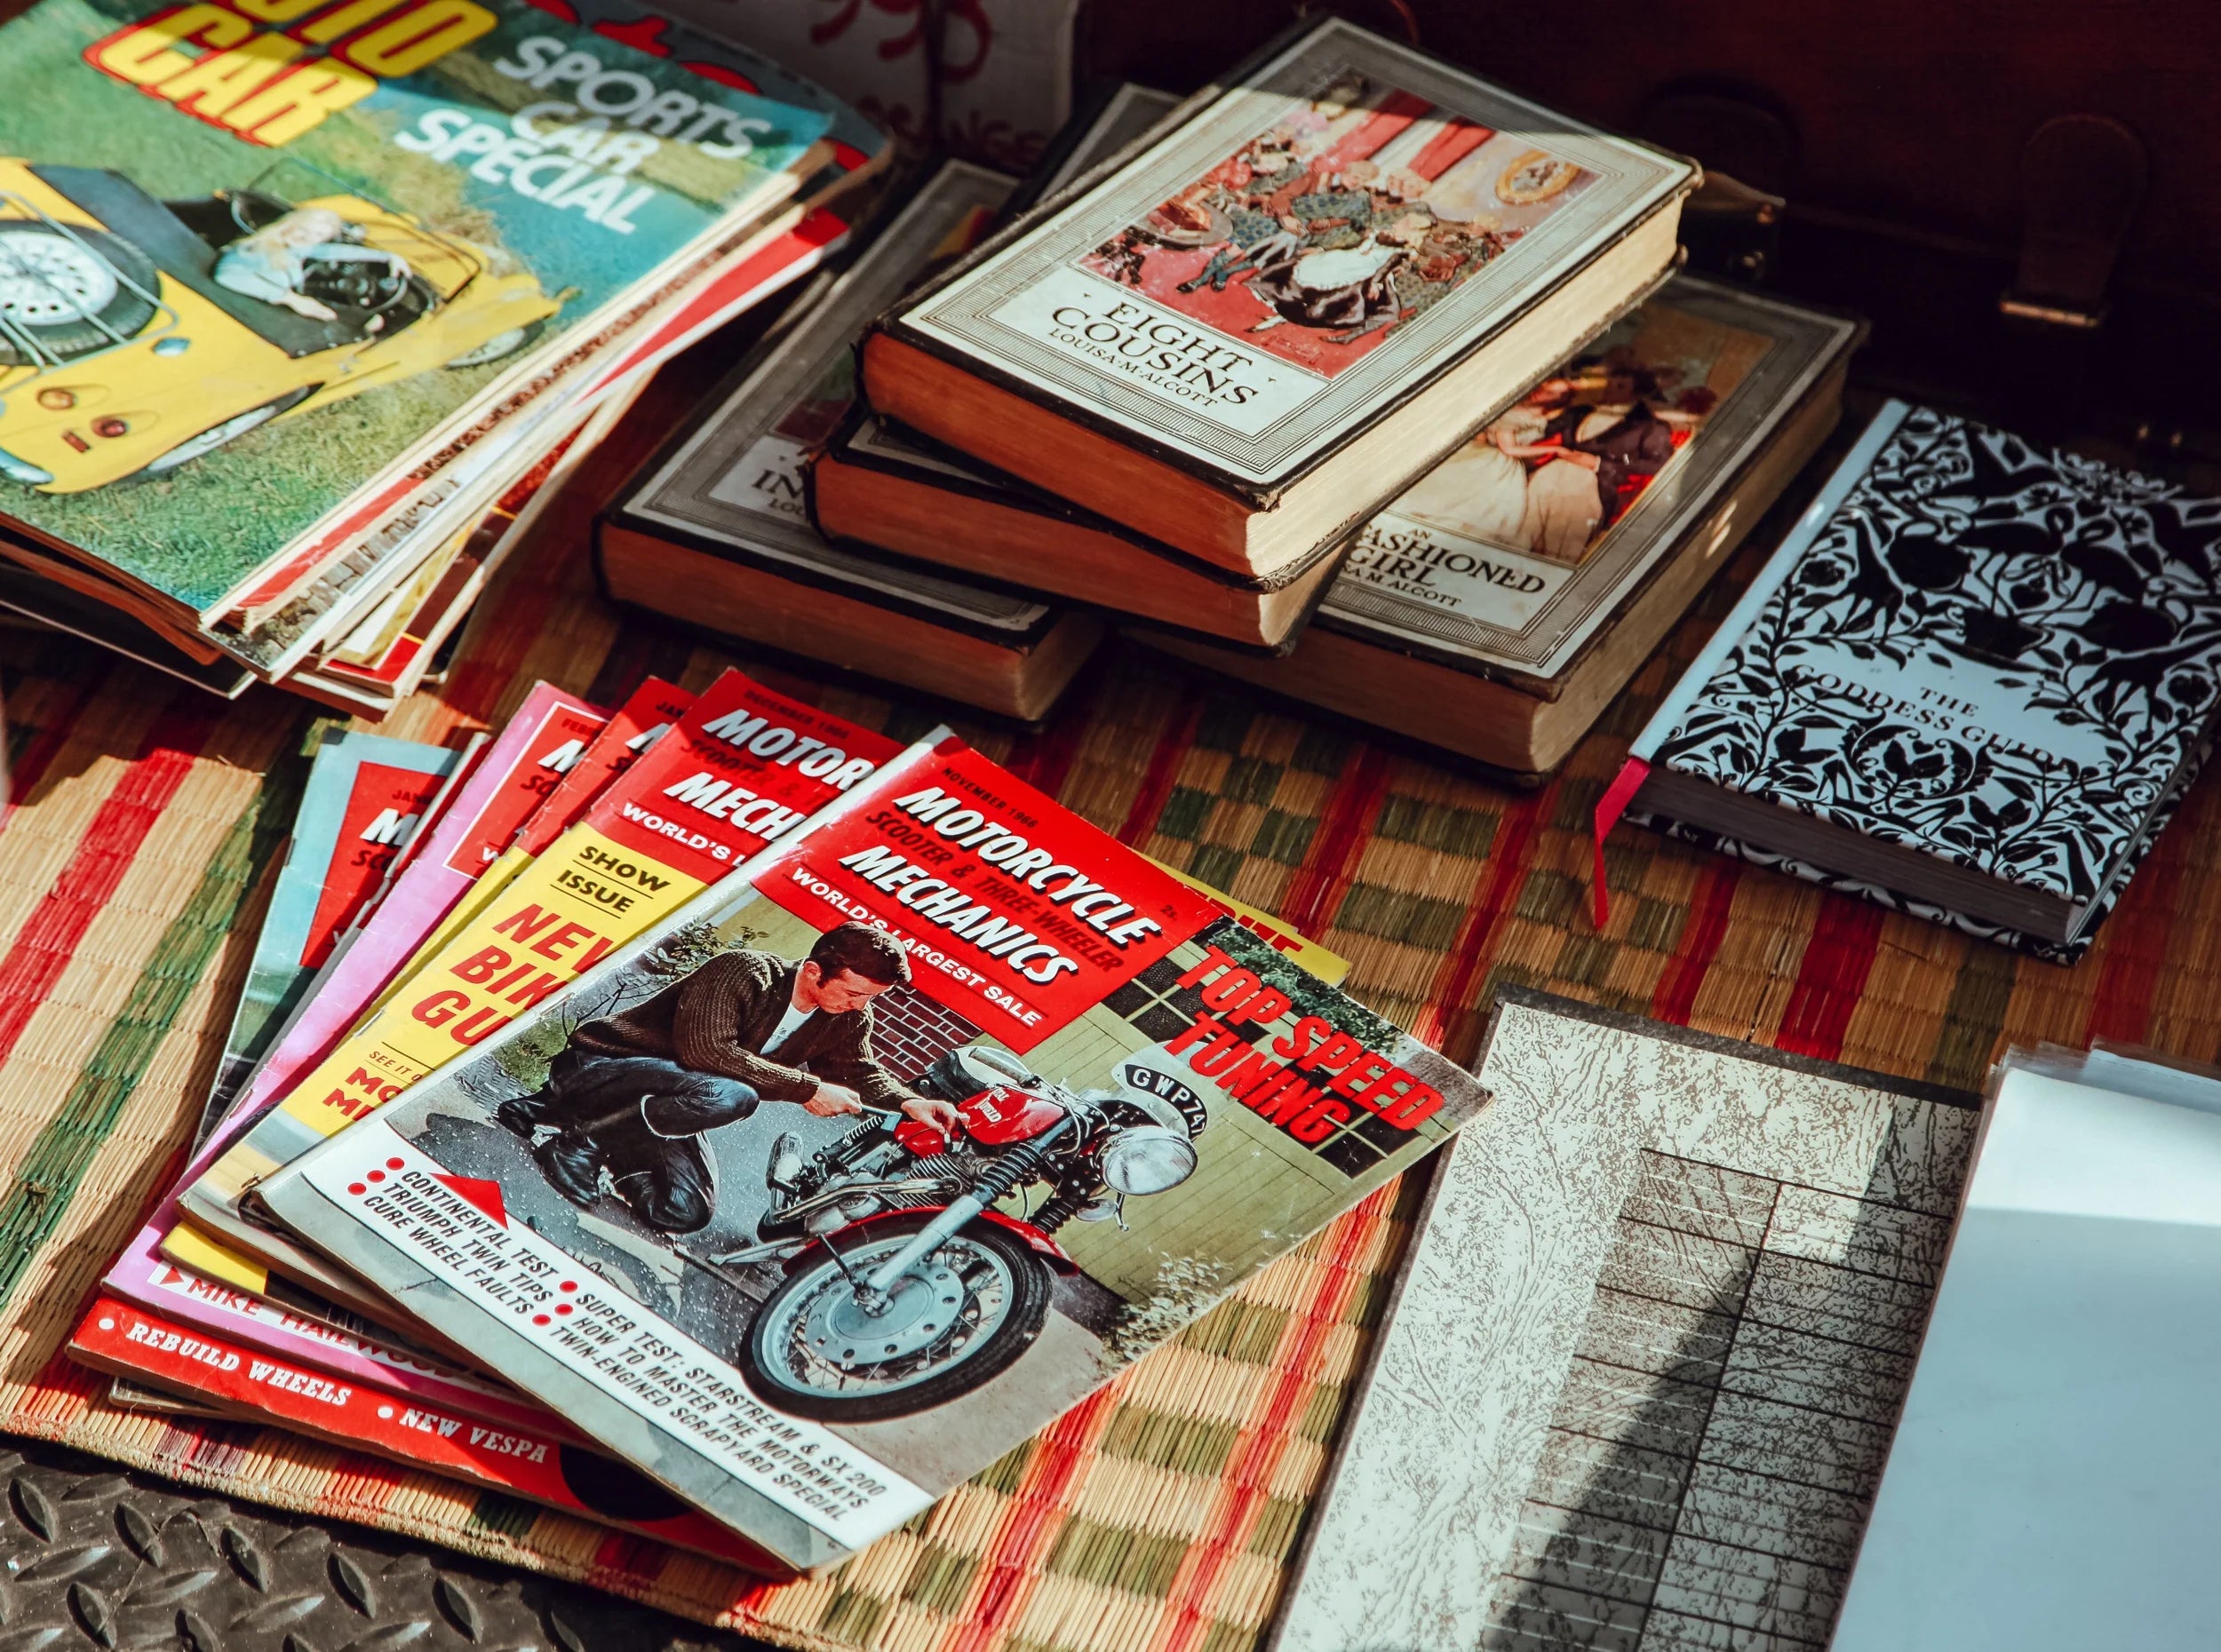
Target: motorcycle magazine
746	764
868	1162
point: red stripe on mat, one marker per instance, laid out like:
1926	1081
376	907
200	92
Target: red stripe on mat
625	1557
1163	771
1700	937
55	1398
1264	1441
1831	977
2136	934
355	1481
1314	893
1504	877
49	938
1030	1525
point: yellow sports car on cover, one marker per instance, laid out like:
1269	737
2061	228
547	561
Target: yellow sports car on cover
136	335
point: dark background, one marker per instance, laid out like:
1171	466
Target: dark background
1895	130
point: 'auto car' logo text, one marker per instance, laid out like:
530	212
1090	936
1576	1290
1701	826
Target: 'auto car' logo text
270	85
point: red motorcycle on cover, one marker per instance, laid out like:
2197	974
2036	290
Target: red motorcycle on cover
905	1287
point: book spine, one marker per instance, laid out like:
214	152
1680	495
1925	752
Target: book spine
1775	575
1622	792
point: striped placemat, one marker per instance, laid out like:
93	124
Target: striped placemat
1158	1517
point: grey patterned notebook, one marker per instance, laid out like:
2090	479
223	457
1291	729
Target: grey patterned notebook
1638	1379
1971	685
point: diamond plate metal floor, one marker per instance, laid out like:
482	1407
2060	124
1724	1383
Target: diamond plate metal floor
93	1556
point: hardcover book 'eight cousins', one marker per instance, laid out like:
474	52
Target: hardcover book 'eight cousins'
1973	684
1091	1103
1261	327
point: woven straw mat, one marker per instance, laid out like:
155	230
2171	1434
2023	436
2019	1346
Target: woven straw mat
1158	1517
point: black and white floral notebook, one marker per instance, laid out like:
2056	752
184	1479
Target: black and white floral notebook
1971	685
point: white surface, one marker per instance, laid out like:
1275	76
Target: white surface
2055	1481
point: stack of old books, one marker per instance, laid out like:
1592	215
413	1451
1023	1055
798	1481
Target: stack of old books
714	1120
1354	376
300	306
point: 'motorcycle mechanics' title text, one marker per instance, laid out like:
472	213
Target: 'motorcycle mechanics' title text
1023	926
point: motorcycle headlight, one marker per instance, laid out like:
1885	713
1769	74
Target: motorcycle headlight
1148	1158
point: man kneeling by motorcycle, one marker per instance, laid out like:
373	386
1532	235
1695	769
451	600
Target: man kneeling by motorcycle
631	1094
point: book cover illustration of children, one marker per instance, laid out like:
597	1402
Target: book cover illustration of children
1556	472
1344	220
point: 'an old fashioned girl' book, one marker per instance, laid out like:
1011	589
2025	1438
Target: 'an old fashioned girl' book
1498	604
1971	684
1257	329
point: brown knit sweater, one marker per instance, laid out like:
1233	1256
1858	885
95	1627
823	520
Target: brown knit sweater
717	1018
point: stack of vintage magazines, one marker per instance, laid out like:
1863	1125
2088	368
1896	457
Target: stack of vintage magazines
1354	376
711	1118
298	303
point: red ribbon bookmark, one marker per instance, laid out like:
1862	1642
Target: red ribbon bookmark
1609	807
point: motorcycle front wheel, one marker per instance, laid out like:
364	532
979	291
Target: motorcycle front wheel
961	1316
